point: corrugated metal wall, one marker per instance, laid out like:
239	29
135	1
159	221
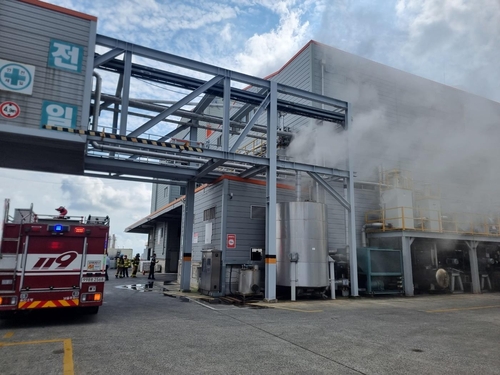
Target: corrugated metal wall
34	27
205	199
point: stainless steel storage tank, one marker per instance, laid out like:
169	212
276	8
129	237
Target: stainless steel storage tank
301	228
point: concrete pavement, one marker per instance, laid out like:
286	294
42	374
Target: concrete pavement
141	331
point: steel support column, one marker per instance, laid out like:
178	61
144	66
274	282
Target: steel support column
187	237
226	120
474	266
223	233
126	92
272	123
353	250
407	266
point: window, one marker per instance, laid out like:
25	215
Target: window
258	212
219	141
182	190
165	192
209	214
256	254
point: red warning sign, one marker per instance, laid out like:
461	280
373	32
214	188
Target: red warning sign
231	241
9	110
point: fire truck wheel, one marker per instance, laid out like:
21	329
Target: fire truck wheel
91	310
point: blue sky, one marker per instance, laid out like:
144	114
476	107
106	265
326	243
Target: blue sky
455	42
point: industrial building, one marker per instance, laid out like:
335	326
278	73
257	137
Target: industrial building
413	234
333	173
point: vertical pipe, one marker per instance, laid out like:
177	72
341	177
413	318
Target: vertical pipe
331	263
293	279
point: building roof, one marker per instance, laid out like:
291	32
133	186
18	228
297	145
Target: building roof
174	208
59	9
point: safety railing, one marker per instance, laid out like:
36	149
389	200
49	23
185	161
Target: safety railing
428	220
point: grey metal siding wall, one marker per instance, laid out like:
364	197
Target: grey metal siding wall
33	27
297	74
401	100
204	199
250	233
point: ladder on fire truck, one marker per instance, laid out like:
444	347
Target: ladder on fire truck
6	266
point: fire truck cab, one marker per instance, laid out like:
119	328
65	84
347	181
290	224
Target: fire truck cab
52	261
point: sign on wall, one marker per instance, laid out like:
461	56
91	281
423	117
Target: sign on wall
16	77
65	56
9	110
231	241
59	114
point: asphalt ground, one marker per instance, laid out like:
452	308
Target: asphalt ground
145	332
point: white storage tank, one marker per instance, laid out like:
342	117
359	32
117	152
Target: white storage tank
302	229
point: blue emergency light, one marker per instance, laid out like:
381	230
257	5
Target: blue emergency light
58	228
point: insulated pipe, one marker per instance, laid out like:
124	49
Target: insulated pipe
331	263
97	100
363	231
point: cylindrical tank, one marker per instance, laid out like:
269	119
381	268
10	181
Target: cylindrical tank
249	280
301	228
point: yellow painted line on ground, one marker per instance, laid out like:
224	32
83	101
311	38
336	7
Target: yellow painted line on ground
8	335
463	309
68	367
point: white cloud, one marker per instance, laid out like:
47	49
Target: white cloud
265	53
123	202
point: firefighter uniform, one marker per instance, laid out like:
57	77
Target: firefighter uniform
119	266
126	265
135	265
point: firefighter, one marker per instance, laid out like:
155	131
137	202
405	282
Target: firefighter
135	264
126	265
152	267
62	212
119	267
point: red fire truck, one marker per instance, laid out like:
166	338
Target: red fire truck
51	261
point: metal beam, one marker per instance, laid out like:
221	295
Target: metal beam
136	179
98	60
177	60
353	249
407	265
250	124
270	256
126	167
226	112
208	167
242	158
330	190
474	266
253	171
126	92
174	107
187	237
